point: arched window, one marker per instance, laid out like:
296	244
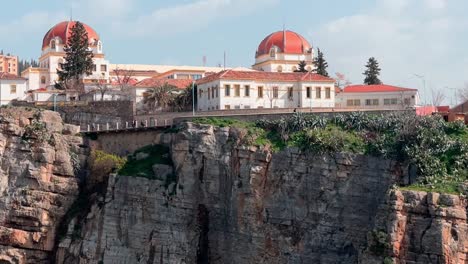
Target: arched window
43	80
279	68
272	52
52	44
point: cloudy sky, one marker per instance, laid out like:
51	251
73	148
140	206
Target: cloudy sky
424	37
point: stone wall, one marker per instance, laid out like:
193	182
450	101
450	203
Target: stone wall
98	112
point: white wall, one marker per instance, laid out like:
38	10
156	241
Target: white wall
343	97
6	95
298	99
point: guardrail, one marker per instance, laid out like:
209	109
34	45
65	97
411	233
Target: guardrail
124	126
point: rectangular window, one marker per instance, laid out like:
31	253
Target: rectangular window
246	106
318	92
407	101
227	90
200	92
386	101
308	92
349	102
13	89
394	101
103	68
357	102
213	92
275	92
227	107
237	90
368	102
247	90
209	93
375	102
290	93
260	92
94	67
328	93
237	107
217	91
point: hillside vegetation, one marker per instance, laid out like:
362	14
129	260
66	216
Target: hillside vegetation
437	149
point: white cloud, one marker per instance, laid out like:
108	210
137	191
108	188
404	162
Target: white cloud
436	4
30	23
410	41
192	16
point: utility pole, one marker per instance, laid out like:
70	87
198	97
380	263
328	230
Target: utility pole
424	82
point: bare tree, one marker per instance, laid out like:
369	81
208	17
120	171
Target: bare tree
341	80
124	78
437	97
271	94
102	86
463	94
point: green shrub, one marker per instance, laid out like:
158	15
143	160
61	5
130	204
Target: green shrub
157	154
101	164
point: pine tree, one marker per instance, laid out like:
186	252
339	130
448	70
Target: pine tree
372	72
78	58
302	66
320	64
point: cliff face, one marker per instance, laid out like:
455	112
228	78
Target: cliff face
37	182
428	228
232	204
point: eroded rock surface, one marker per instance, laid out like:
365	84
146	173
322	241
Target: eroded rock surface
233	204
38	184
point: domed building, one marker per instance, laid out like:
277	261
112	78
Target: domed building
281	51
53	54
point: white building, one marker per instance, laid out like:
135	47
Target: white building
281	52
12	87
233	89
53	55
377	97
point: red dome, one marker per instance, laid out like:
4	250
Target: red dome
287	41
63	31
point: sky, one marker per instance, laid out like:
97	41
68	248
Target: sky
409	38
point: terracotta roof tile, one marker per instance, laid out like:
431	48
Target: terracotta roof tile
9	76
380	88
266	76
152	82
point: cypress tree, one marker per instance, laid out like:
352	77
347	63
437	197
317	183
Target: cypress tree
320	64
302	66
372	72
78	58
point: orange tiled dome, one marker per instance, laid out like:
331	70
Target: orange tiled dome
63	31
287	41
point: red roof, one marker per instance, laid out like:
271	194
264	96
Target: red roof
287	41
9	76
63	31
265	76
379	88
152	82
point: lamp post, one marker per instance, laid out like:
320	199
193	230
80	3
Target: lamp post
193	98
55	102
423	80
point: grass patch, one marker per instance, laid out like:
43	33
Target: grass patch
143	167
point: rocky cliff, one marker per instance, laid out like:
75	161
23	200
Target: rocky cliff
234	204
219	202
38	182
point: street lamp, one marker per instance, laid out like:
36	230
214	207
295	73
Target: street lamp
193	98
423	80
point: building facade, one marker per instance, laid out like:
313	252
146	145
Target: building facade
377	97
233	89
9	64
12	87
